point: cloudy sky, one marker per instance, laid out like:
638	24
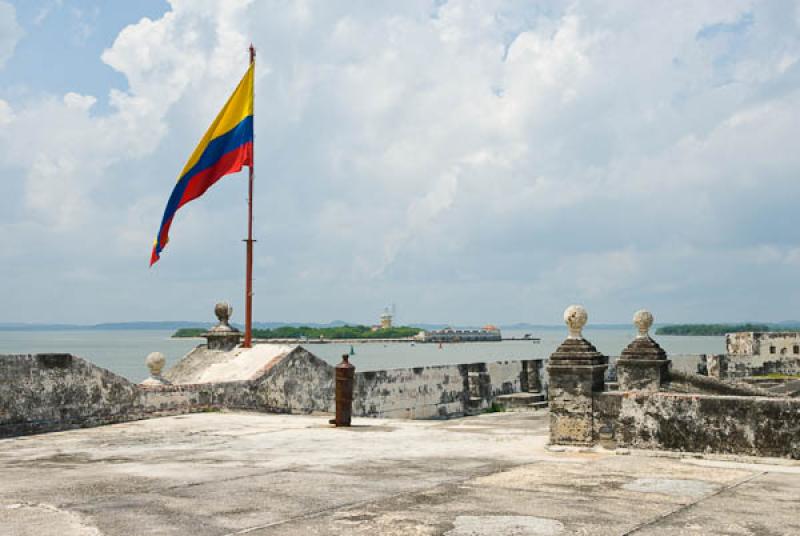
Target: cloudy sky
469	161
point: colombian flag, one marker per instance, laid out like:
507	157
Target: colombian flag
225	148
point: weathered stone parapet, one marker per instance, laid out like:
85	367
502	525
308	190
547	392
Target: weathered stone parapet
50	392
643	365
757	426
682	382
733	366
576	371
439	391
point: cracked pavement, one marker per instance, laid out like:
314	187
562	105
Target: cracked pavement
233	473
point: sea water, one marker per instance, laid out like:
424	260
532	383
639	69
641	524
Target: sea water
120	351
124	351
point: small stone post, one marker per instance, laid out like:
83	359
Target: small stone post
155	362
577	371
223	336
643	365
345	376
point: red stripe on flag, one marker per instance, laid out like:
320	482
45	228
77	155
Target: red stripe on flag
230	162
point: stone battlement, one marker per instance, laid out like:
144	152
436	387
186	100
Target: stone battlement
48	392
656	408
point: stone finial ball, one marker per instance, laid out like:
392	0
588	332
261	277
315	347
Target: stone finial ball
643	320
223	311
575	316
155	362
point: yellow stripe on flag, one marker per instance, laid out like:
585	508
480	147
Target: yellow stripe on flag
239	106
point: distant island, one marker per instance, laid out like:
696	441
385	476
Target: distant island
719	329
308	332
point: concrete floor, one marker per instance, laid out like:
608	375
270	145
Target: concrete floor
257	474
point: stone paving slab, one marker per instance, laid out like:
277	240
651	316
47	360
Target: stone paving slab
222	474
765	504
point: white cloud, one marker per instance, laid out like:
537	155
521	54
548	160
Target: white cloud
421	214
66	152
83	23
598	274
10	31
78	101
483	151
45	10
6	113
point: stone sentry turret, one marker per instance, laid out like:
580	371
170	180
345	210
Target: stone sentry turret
643	364
576	370
223	336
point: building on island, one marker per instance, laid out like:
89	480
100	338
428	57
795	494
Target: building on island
386	319
777	343
485	334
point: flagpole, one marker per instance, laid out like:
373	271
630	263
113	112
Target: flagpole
248	298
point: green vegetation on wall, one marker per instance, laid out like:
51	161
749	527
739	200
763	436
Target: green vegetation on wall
339	332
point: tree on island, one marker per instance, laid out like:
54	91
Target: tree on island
710	329
306	332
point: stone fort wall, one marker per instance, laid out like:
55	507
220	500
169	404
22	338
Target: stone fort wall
657	408
443	391
736	366
49	392
775	344
757	426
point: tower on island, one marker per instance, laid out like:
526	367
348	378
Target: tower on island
386	319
